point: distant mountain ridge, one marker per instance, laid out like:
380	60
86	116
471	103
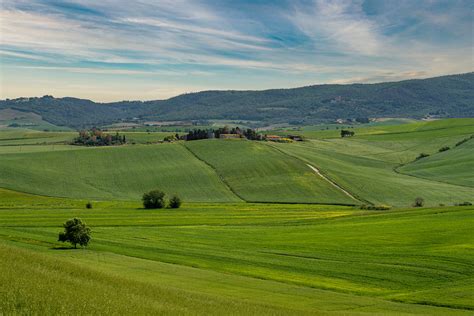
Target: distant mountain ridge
446	96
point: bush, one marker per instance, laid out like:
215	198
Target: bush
175	202
89	205
75	232
422	155
154	199
419	202
463	204
443	149
380	207
464	140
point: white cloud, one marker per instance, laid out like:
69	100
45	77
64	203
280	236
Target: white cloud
339	23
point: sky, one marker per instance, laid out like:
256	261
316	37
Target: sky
155	49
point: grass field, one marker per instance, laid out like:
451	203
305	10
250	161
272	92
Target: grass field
302	249
376	166
115	172
451	166
257	172
236	258
367	165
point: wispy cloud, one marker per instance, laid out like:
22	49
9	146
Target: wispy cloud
228	45
340	23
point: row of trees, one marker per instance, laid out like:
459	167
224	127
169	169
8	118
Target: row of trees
197	134
96	137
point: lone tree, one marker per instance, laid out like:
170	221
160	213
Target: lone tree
419	202
75	232
154	199
175	202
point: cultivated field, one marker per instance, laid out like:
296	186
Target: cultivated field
235	258
260	232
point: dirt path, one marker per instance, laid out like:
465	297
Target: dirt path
316	170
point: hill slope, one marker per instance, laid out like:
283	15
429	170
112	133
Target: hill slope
453	166
367	164
120	172
260	173
447	96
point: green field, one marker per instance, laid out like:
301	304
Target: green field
368	164
260	232
113	172
235	258
452	166
257	172
376	166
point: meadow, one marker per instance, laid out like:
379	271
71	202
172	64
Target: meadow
259	233
235	259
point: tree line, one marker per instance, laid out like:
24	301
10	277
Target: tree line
197	134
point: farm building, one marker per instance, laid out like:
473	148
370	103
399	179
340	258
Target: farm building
229	136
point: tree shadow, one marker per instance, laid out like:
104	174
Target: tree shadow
63	248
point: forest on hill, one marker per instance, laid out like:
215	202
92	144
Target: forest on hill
446	96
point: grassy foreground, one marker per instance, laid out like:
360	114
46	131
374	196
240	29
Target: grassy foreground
235	259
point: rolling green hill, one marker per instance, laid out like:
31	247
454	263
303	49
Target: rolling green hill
222	254
366	164
119	172
375	166
259	173
453	166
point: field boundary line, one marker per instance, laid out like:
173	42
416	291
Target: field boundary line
318	172
226	184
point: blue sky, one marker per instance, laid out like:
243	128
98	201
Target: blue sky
142	50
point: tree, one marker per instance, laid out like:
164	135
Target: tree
419	202
175	202
154	199
75	232
346	133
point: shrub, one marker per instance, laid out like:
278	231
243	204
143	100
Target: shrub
154	199
89	205
422	155
463	204
380	207
75	232
464	140
175	202
443	149
419	202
